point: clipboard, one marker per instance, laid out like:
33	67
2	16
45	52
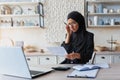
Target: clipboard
83	74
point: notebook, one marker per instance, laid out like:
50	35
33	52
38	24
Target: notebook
86	67
13	62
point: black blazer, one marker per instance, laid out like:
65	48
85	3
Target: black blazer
85	49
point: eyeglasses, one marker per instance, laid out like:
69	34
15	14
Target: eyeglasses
70	24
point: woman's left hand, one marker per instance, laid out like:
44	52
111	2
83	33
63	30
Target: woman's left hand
73	56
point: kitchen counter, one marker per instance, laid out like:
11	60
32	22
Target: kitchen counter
39	53
48	53
108	52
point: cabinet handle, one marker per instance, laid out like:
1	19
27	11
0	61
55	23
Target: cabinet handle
28	59
47	58
103	57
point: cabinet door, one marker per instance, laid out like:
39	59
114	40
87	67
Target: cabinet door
60	59
47	60
116	59
103	59
32	60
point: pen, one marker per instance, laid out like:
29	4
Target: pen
76	76
65	23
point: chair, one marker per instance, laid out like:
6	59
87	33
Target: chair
92	60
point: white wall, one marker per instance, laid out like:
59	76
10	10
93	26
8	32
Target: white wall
35	37
104	34
56	12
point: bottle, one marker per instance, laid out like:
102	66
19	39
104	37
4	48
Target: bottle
112	21
95	20
21	23
11	22
101	22
89	22
99	8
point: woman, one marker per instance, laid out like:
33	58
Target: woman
79	43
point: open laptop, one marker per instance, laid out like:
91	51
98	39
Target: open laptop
13	62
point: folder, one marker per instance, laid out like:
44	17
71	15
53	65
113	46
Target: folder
84	74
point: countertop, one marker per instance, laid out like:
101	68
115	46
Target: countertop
50	54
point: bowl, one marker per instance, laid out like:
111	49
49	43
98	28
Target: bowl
117	48
101	48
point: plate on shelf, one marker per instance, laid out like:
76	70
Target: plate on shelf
5	9
17	10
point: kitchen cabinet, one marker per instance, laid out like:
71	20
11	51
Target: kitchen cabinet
103	58
21	14
44	59
32	60
108	57
102	13
60	59
116	59
47	60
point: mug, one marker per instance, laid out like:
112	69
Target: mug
105	10
19	43
118	10
111	11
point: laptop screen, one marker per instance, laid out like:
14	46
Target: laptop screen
13	62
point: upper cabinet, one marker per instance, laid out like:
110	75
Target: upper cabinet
21	14
102	13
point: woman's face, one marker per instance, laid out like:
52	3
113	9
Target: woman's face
73	25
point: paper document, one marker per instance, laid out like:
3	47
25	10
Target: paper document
103	65
91	66
57	50
85	67
84	74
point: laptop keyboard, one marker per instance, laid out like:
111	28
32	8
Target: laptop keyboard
35	72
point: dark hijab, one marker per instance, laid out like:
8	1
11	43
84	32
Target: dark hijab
78	38
79	18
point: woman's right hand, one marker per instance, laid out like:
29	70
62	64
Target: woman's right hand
69	32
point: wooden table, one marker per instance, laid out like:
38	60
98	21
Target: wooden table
113	73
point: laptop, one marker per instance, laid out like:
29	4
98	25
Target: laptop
13	62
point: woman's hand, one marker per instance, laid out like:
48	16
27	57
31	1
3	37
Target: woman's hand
73	56
69	32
